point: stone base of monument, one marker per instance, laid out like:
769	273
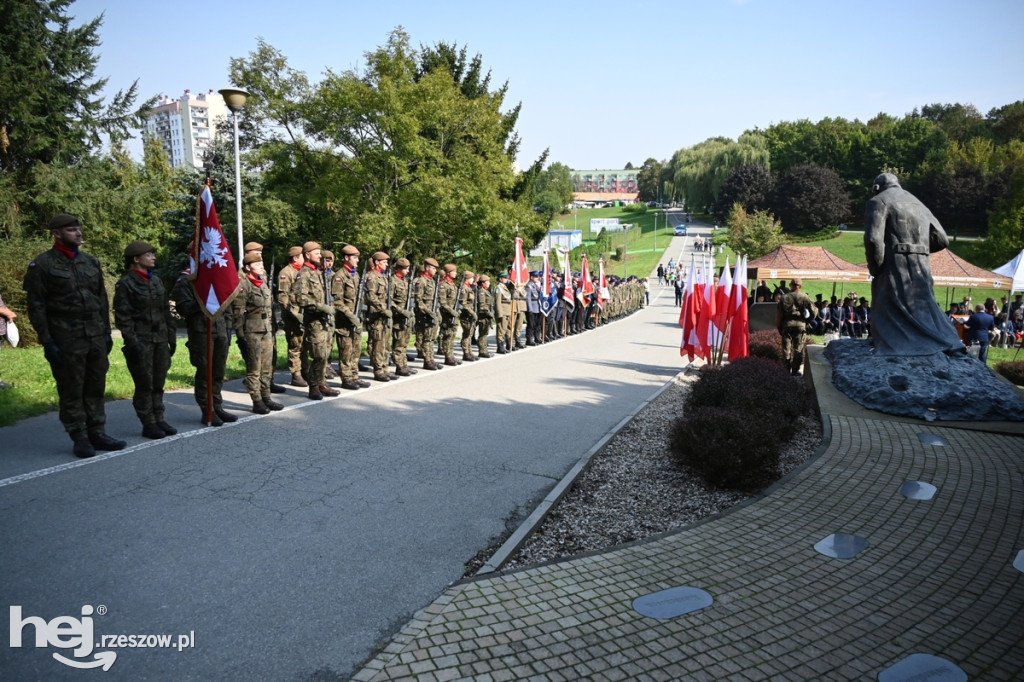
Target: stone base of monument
933	387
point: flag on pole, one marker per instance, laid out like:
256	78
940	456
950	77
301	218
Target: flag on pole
519	274
690	345
705	328
722	308
739	346
546	298
586	286
602	285
214	273
567	294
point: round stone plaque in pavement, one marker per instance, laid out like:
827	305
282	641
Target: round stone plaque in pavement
675	601
923	667
931	439
841	546
918	490
1018	563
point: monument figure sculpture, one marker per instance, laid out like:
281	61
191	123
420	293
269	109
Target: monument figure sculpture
899	235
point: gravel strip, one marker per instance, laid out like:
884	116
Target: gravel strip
635	488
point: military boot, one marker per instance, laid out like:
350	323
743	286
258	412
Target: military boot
167	428
273	405
451	361
297	380
260	407
83	448
152	431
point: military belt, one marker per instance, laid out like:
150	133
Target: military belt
911	248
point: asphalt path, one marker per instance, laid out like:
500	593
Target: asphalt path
289	546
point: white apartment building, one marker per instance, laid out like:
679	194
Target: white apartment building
186	126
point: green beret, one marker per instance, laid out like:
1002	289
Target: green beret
137	248
64	220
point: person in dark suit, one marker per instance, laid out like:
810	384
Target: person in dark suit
978	326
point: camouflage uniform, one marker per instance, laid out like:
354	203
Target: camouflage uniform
252	312
502	316
449	320
291	320
378	322
143	314
187	305
484	314
423	291
401	323
792	324
467	319
347	327
311	298
67	306
519	317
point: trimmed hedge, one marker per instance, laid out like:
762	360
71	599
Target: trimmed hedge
767	344
736	420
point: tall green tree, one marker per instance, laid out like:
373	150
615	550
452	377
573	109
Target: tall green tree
753	234
810	197
648	179
50	107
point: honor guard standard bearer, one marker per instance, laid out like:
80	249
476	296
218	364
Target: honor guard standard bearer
188	307
448	298
143	314
426	296
467	314
378	316
503	314
519	299
291	316
311	298
484	314
401	316
252	311
67	305
347	327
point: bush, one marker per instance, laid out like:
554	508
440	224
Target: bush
638	208
768	345
735	421
1014	371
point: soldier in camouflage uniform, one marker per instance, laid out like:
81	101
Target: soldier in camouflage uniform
467	315
502	314
252	312
257	248
378	316
187	305
401	317
484	315
311	298
423	291
518	315
347	327
67	306
291	317
447	299
143	314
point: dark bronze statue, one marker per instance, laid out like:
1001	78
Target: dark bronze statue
899	234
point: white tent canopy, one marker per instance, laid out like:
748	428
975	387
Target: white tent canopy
1015	270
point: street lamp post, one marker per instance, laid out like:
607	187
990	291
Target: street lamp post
655	230
235	100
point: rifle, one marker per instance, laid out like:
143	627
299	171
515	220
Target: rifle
458	298
359	293
409	303
437	295
388	273
476	309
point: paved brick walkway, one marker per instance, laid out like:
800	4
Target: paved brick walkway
937	578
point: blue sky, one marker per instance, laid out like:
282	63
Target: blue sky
603	83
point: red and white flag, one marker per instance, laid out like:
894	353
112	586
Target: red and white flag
602	285
214	273
519	275
739	346
586	286
688	315
567	294
722	307
705	328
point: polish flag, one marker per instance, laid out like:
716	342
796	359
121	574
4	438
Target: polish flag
602	285
738	333
586	286
567	295
705	326
214	273
722	308
519	275
690	345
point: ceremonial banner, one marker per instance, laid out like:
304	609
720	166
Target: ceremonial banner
546	298
519	274
214	275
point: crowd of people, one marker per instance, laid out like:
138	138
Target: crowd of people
317	302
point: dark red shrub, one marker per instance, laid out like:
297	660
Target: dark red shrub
727	448
1014	371
768	345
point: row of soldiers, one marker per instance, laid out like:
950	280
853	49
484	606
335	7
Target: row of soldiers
321	303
